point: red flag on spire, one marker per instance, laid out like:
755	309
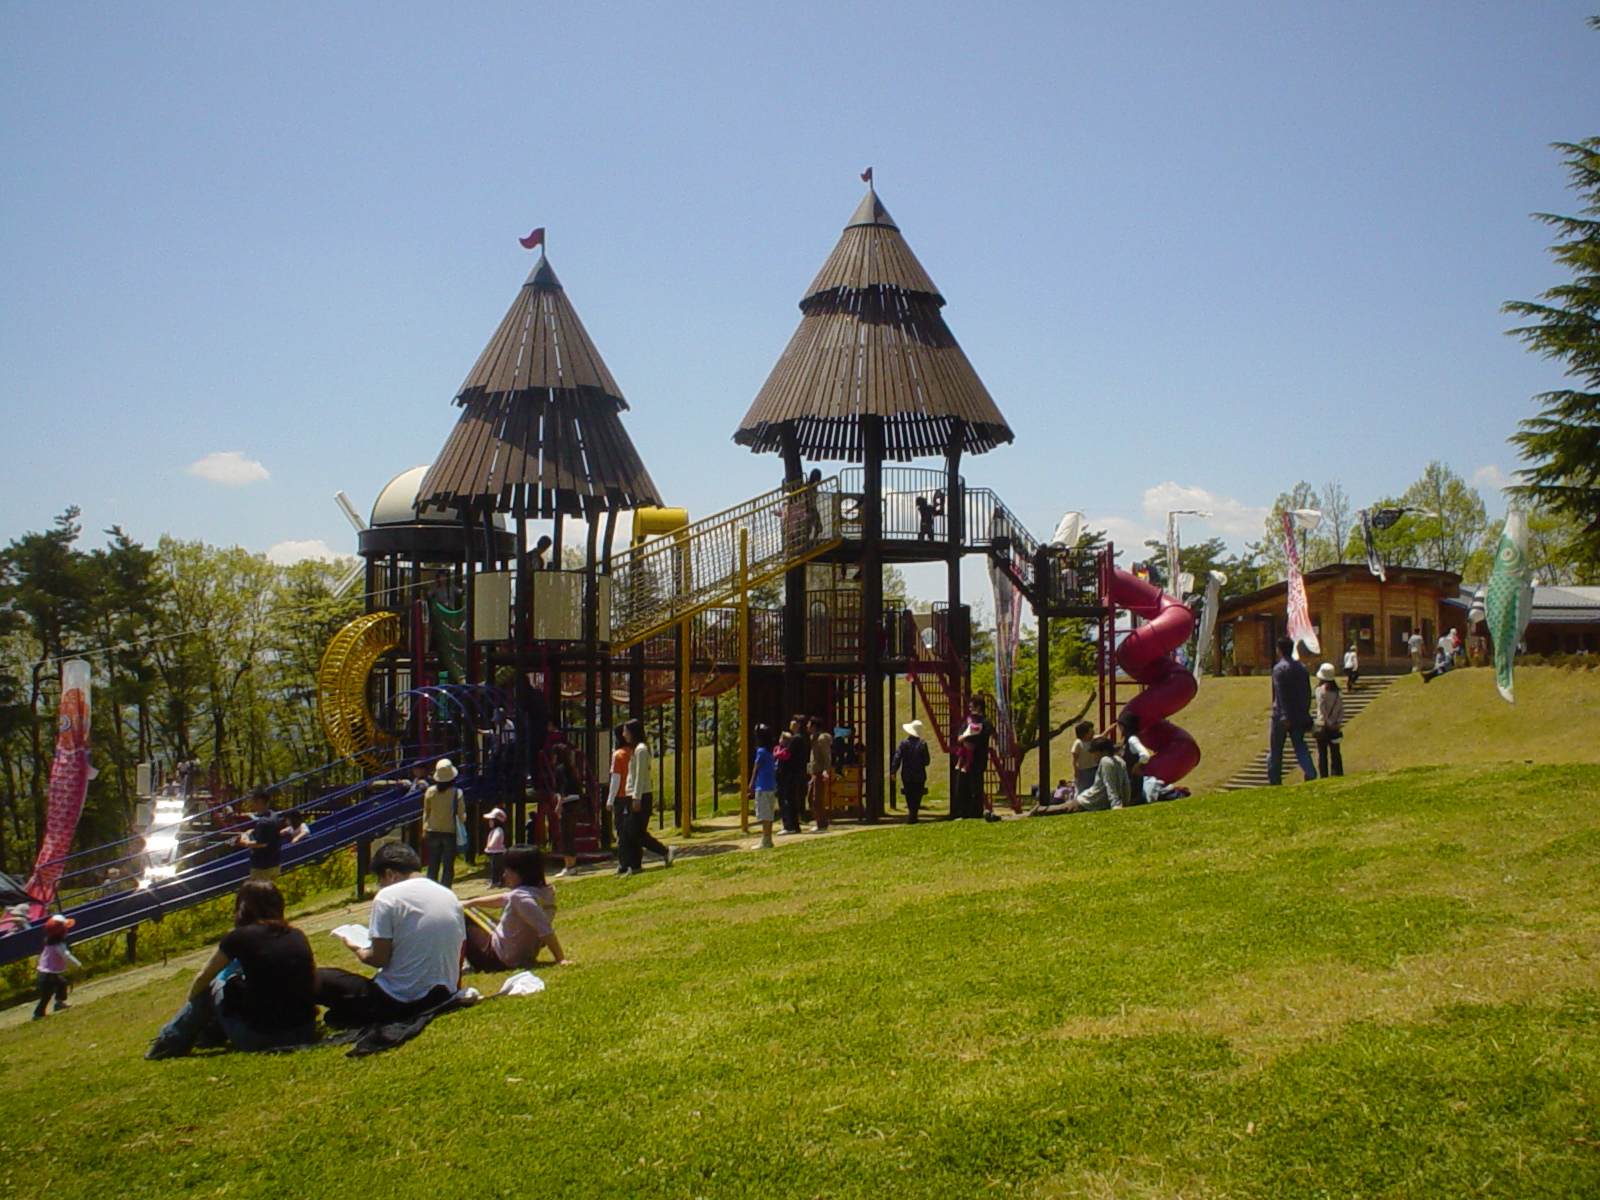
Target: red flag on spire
536	238
866	176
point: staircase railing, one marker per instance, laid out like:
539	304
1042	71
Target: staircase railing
664	581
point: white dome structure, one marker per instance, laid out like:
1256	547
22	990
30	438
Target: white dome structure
398	527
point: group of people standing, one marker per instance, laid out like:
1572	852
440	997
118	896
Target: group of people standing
631	797
792	772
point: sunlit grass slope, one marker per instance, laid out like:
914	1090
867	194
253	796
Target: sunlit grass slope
1386	986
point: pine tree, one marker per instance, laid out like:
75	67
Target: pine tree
1562	443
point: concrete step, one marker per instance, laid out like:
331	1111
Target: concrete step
1355	703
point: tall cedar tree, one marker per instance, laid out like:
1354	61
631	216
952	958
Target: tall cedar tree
1563	442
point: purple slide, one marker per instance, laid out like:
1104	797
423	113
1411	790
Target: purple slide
1167	686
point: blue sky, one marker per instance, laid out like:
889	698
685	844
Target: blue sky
1196	251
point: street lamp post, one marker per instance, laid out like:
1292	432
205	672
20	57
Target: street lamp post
1173	586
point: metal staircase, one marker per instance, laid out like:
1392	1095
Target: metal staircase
708	563
937	677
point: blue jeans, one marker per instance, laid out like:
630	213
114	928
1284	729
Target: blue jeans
200	1015
1297	737
442	857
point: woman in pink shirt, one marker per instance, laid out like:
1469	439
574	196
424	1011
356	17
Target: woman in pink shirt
525	925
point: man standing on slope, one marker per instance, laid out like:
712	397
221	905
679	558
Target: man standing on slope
1291	713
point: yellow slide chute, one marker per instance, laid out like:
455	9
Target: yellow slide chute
342	688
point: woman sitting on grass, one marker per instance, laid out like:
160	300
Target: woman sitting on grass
1111	783
1109	789
258	989
525	921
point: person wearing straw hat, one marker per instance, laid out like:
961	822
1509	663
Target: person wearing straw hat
1329	730
442	809
910	761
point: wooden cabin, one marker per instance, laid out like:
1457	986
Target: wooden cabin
1349	606
1565	620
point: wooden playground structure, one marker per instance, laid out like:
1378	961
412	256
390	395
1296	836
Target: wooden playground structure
499	594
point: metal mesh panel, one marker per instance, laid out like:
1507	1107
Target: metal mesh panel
662	582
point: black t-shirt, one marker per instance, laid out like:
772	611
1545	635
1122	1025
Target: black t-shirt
279	976
268	828
911	757
799	756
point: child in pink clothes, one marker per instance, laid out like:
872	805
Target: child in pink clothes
55	960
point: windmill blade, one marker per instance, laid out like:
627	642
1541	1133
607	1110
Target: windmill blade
349	511
350	579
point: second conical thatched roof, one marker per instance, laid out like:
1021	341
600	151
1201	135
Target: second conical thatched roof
540	432
872	341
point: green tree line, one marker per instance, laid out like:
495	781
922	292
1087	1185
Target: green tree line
198	652
1458	536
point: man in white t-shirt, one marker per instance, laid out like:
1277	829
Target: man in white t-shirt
417	929
1415	644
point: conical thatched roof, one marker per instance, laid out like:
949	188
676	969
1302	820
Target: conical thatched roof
540	431
872	340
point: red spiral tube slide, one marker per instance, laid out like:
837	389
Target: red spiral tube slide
1168	687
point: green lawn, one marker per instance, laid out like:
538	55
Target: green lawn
1460	718
1384	986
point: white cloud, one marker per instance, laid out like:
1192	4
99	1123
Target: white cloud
228	467
1491	476
1229	517
285	553
1127	536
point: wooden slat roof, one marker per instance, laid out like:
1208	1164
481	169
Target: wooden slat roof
872	340
540	432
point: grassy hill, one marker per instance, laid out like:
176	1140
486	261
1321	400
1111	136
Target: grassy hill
1457	718
1383	986
1460	718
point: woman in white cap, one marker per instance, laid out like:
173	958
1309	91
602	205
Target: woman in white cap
910	760
1330	722
442	810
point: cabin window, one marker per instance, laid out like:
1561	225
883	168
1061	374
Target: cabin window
1358	632
1399	635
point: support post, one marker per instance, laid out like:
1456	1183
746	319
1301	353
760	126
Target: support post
871	738
744	741
1043	705
955	508
794	585
685	757
592	676
607	716
521	613
469	593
